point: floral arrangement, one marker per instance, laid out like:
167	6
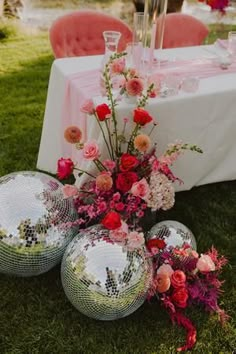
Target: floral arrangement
132	179
218	5
182	279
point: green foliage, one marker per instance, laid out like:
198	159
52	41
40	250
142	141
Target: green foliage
35	315
7	30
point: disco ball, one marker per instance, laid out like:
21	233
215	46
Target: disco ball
173	233
101	278
33	214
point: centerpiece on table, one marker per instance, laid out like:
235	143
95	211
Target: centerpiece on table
217	5
129	181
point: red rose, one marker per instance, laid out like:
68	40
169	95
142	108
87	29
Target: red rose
127	162
125	181
141	116
64	168
111	221
155	243
178	279
103	111
180	297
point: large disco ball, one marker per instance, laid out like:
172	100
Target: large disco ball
33	214
173	233
102	279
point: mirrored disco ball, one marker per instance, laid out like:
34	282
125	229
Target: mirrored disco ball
173	233
33	211
102	279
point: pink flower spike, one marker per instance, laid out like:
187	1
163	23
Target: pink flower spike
88	107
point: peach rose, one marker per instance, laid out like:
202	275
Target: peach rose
104	182
69	191
162	282
140	189
142	142
205	264
165	269
134	87
91	150
178	279
73	134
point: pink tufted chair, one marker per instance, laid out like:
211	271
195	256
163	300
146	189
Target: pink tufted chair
182	30
80	33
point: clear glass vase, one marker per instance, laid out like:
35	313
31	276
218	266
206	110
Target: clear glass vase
111	39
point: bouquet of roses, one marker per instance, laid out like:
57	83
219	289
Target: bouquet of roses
132	179
218	5
182	278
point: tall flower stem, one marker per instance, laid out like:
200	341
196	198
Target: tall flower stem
104	137
112	103
134	133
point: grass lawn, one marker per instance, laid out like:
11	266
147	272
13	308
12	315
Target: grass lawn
35	315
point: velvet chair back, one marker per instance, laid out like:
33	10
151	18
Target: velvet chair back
80	33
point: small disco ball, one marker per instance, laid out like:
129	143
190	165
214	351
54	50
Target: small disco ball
102	279
173	233
33	235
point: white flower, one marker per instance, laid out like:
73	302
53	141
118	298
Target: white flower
162	193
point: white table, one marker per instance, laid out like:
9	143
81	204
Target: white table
206	118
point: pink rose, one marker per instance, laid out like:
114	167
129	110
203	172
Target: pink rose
134	87
88	107
64	168
165	269
91	150
119	235
178	279
205	264
140	189
69	191
135	240
109	164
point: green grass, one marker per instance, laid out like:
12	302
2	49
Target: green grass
35	315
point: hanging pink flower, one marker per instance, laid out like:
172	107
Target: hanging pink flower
91	150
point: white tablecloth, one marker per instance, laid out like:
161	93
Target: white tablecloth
206	118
